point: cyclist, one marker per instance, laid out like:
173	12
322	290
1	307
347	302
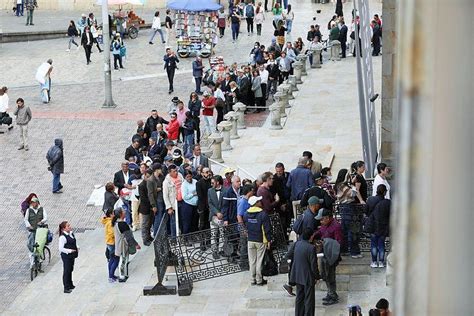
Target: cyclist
35	216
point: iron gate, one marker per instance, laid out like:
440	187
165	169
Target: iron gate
218	252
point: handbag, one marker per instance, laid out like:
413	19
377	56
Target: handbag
220	103
123	51
132	249
269	266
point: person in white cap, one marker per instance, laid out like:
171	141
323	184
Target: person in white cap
259	238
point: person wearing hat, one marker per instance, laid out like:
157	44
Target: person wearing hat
228	173
173	105
208	105
259	238
331	233
35	215
317	190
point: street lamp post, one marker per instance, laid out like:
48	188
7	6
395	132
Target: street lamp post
109	102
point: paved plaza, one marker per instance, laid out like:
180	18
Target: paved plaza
324	118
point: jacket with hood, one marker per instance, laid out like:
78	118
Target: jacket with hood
258	225
55	156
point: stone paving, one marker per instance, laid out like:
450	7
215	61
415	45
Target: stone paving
95	138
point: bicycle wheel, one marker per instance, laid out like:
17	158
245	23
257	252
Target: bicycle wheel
33	273
46	257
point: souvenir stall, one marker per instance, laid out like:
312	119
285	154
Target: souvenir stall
195	23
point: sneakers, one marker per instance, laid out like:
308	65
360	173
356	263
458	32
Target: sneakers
68	50
112	280
289	290
381	265
374	265
151	43
357	256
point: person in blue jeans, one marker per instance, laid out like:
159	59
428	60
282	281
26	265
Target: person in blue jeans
235	24
55	159
351	222
380	221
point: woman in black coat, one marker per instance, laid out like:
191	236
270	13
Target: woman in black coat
380	221
110	197
339	11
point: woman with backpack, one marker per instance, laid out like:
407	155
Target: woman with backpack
112	260
72	33
125	243
249	13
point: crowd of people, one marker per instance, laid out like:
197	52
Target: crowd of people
164	171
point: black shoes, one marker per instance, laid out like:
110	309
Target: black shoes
330	300
289	290
68	291
262	283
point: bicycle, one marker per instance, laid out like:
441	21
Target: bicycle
40	258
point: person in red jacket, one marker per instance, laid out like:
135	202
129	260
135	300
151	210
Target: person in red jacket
173	128
208	105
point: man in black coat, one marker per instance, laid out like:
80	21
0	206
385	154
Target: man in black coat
145	209
244	85
121	177
55	159
134	151
318	191
343	38
170	60
152	121
304	273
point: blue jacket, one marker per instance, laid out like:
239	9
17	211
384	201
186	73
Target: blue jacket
309	221
197	69
300	179
258	225
229	205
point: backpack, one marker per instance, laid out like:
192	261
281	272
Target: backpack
249	11
298	225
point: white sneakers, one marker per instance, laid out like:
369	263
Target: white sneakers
375	265
68	50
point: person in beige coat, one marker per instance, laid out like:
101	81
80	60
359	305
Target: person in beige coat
172	196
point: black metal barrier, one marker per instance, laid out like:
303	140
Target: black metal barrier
217	252
163	259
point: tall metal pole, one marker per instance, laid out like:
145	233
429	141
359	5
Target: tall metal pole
109	102
360	86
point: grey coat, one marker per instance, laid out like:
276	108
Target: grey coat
304	263
204	161
256	87
23	115
215	205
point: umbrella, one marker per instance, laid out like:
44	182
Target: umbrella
193	5
122	2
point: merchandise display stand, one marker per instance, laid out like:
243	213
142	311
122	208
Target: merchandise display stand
195	31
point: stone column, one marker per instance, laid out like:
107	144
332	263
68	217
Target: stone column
281	98
297	69
303	58
316	58
335	50
224	127
275	114
232	117
216	147
240	108
432	225
389	114
292	82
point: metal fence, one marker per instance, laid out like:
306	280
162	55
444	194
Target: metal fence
217	252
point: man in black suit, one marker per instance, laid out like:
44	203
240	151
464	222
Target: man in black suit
133	151
121	177
152	121
198	159
202	189
244	85
304	273
343	38
216	219
87	40
170	60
